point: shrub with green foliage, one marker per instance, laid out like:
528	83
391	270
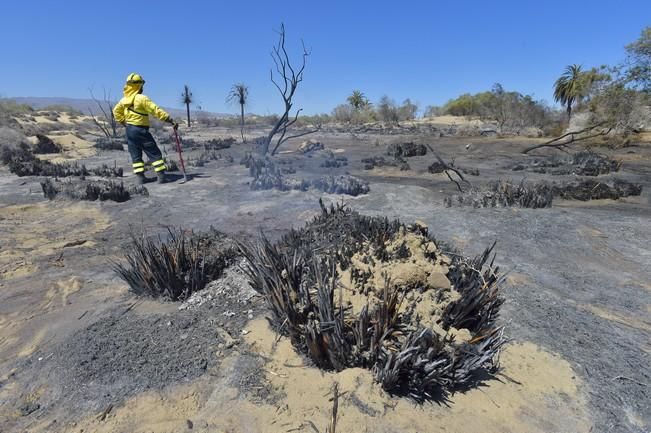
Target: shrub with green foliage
509	109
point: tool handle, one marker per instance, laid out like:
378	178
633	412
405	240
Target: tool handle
178	149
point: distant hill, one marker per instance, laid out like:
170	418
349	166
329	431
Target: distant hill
84	104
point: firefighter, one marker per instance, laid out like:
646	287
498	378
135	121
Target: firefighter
133	112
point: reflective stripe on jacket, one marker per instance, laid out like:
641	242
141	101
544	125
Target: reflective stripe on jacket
135	110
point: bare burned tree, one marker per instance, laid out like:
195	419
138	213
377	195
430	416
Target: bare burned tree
564	140
104	120
447	168
286	82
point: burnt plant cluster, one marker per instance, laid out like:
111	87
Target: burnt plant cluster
22	162
343	184
506	194
218	143
86	190
590	189
209	145
172	269
380	161
44	144
406	150
107	143
298	277
310	146
440	166
541	194
267	175
583	163
333	161
208	156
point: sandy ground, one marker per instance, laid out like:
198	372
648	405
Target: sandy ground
578	302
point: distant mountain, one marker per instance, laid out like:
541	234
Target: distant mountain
84	105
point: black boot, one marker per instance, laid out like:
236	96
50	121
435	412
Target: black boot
161	177
141	179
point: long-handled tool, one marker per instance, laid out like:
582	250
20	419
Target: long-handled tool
178	149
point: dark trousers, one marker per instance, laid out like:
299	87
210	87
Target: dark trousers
140	140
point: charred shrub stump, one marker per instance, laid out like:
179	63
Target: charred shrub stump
267	175
101	190
590	189
22	162
218	143
541	194
344	184
333	161
506	194
174	268
584	163
380	161
45	145
406	150
357	291
107	143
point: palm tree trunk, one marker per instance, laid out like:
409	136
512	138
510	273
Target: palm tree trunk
187	107
242	122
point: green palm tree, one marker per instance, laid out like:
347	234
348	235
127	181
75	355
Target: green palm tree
357	100
569	87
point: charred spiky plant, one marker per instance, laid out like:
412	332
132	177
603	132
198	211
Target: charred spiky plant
505	194
101	190
175	268
583	163
301	275
22	162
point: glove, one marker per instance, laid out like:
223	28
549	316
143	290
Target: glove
173	123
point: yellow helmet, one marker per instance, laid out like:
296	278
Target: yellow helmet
134	78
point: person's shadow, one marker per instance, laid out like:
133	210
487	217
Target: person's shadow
177	177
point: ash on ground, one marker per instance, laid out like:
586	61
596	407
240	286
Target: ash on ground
233	288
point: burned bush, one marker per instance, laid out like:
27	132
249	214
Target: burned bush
584	163
440	166
589	189
101	190
174	268
343	291
436	167
208	156
219	143
344	184
310	146
267	175
380	161
44	144
541	194
333	161
105	143
406	150
505	194
22	162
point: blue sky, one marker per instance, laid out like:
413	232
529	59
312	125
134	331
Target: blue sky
428	51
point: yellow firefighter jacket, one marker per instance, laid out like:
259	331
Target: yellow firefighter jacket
134	108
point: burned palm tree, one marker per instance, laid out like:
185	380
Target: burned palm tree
187	99
239	94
